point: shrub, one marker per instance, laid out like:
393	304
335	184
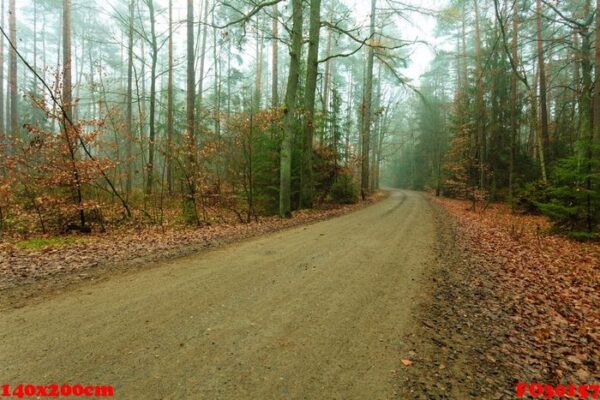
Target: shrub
344	190
574	205
527	199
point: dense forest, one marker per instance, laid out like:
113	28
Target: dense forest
192	112
512	111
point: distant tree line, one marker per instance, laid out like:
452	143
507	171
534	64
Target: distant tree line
512	113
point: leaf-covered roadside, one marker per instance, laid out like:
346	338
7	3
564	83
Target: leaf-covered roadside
20	266
455	346
549	287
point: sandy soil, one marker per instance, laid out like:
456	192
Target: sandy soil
314	312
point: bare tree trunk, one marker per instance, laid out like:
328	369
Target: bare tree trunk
596	131
587	109
312	69
585	102
275	57
479	104
285	180
152	116
44	64
464	65
348	120
143	114
2	123
12	67
513	105
67	108
217	81
67	97
228	78
259	66
542	81
536	132
375	138
382	130
189	201
191	79
129	104
56	86
35	35
202	61
326	86
366	111
170	105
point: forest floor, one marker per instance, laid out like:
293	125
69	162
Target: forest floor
40	266
515	302
317	311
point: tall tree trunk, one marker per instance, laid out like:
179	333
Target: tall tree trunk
44	64
285	170
596	132
461	103
366	111
587	132
336	101
576	70
382	131
67	103
542	82
536	133
35	35
143	114
312	69
275	57
479	104
217	80
585	102
191	78
12	71
348	124
513	105
170	105
202	62
67	97
326	85
189	203
228	78
56	86
464	76
129	104
376	129
259	66
2	123
152	116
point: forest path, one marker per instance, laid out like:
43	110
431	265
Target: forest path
313	312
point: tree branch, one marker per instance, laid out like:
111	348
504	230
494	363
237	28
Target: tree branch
522	78
245	17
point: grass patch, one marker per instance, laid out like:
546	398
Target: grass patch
41	243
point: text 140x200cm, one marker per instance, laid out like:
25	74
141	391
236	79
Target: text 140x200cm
55	390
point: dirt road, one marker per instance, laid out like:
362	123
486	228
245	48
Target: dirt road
315	312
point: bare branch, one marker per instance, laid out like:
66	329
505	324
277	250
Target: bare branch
245	17
571	21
